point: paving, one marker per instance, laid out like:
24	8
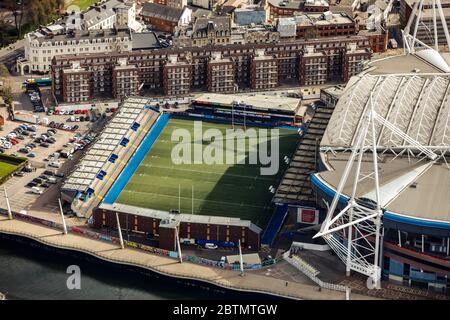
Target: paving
225	278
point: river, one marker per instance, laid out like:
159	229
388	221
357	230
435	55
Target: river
28	271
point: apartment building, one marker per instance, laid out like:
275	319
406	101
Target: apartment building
188	69
352	62
177	76
76	84
125	80
327	24
41	46
221	74
313	67
287	8
263	71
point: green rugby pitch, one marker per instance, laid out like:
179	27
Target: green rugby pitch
229	190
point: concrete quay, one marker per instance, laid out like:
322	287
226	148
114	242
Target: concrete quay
228	279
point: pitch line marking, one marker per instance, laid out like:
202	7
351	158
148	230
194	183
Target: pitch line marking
189	198
210	172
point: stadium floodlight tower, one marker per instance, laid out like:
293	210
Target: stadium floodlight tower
355	232
416	22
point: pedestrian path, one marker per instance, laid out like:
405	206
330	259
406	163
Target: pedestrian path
250	282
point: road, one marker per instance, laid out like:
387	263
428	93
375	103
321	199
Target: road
9	55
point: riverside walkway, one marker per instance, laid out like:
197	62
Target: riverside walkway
224	278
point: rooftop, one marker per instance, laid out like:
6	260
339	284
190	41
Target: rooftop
311	19
415	189
160	11
257	101
218	23
102	11
418	105
82	35
297	4
106	143
145	40
193	218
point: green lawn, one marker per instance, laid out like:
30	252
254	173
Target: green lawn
83	4
6	169
232	190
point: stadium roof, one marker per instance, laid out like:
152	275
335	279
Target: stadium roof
192	218
412	188
418	105
257	101
106	143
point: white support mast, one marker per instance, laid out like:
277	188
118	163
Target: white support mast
119	229
10	216
178	244
410	33
62	216
241	260
354	233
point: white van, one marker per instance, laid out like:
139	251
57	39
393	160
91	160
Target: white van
52	180
36	190
211	246
55	164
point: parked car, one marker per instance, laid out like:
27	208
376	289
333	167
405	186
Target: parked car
59	175
36	190
49	172
19	174
45	185
37	180
44	144
31	184
54	164
211	246
31	155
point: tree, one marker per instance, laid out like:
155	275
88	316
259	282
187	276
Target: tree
6	92
17	7
4	72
